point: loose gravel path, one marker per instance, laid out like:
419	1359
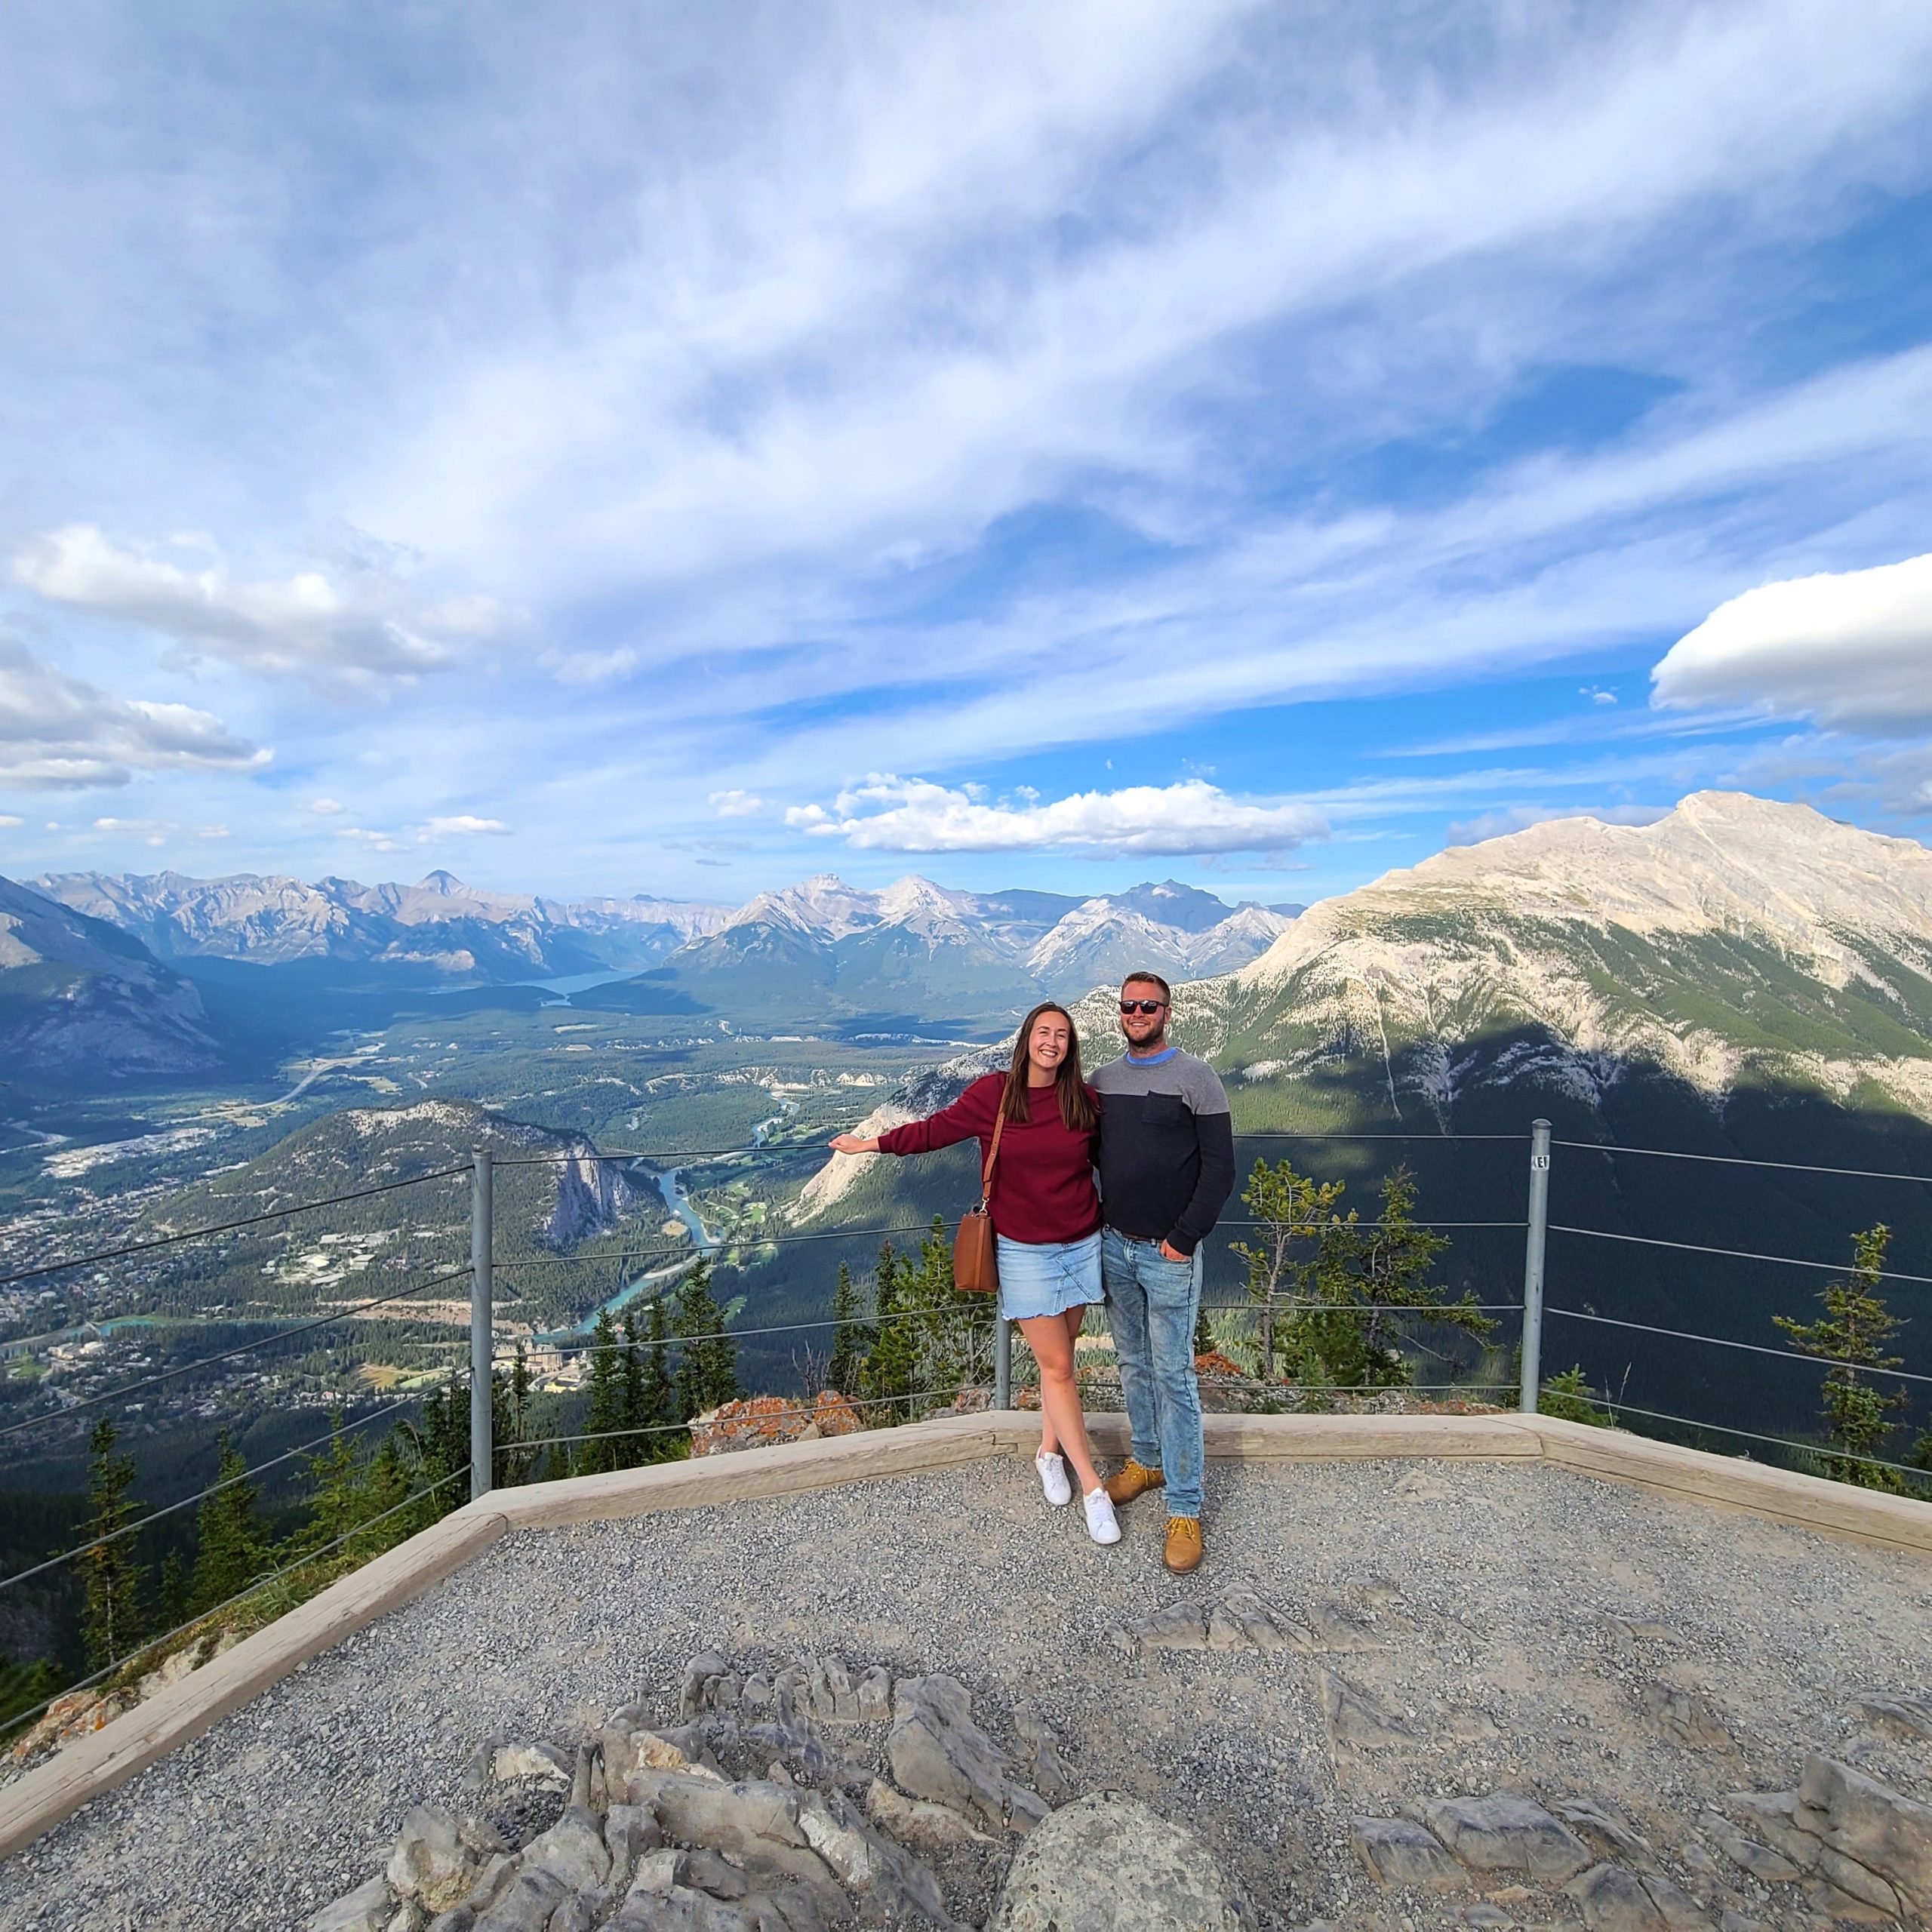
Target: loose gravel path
1515	1613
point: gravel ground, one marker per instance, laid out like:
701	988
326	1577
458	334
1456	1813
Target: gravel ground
1491	1592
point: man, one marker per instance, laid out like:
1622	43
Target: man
1167	1169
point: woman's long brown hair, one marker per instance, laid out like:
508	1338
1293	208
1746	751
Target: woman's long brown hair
1077	1113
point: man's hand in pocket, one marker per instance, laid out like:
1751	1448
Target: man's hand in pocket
1170	1252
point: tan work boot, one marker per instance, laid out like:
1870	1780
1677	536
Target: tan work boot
1183	1551
1135	1479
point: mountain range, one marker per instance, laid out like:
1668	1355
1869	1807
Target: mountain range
915	947
439	928
79	996
1735	943
825	947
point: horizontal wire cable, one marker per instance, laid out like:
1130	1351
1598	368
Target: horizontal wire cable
227	1354
1743	1254
201	1495
977	1320
22	1717
767	1415
1739	1161
1752	1435
727	1240
227	1227
1721	1342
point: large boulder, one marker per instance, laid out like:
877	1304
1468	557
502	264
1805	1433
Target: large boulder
937	1752
1108	1864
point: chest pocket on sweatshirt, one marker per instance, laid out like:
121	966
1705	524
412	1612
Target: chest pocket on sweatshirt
1164	1110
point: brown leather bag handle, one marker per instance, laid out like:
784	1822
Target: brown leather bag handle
992	1154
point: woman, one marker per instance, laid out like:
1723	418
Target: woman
1046	1215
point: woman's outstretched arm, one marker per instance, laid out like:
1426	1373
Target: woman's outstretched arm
969	1116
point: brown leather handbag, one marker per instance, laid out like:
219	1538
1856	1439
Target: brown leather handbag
975	1256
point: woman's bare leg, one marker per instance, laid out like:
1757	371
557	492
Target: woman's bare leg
1075	1319
1059	1396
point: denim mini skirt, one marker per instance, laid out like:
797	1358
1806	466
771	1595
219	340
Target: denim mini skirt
1047	1278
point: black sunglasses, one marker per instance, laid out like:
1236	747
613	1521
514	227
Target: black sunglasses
1142	1005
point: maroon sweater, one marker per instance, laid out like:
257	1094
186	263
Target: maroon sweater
1043	1181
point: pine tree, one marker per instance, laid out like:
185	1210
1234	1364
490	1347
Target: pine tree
111	1620
635	1447
1330	1309
707	1357
886	1376
437	1447
1851	1336
233	1548
509	1423
660	1393
847	1343
599	1451
176	1602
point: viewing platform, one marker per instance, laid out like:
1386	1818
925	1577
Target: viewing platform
1691	1690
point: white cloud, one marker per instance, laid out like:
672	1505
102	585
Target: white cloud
306	626
325	807
462	826
60	733
1520	818
8	823
160	831
735	804
1852	648
887	813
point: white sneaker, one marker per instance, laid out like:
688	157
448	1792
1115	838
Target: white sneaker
1053	1479
1102	1525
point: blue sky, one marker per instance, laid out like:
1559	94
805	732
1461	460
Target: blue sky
603	450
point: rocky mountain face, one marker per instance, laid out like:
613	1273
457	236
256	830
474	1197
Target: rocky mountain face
1735	942
923	948
439	926
916	945
78	993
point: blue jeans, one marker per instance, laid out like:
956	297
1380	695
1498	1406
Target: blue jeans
1152	1306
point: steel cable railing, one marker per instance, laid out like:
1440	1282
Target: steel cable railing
1717	1341
225	1227
1741	1254
867	1322
1818	1451
228	1355
20	1719
148	1516
1740	1161
764	1415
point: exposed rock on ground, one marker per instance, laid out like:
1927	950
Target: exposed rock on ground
756	1421
1106	1863
1499	1625
739	1818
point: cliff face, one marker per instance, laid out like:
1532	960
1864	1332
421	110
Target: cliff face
76	994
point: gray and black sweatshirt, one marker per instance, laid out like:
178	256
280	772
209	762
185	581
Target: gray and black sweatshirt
1167	1147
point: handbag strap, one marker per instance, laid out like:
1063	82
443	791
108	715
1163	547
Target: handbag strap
992	1154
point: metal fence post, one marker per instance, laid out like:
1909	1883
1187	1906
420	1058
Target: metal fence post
481	1446
1533	1253
1002	1361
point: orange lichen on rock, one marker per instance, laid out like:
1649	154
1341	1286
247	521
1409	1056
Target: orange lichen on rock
756	1421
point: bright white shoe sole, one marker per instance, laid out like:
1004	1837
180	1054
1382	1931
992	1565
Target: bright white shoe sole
1102	1525
1053	1479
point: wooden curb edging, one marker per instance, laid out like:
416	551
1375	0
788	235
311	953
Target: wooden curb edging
33	1805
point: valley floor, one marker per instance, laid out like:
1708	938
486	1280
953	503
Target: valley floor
1475	1626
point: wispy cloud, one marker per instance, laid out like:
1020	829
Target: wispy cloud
887	813
305	627
59	733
